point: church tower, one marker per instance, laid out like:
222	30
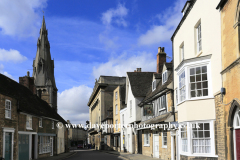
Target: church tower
43	69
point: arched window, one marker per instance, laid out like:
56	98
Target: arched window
237	119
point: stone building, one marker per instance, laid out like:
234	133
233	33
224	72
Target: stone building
28	123
118	104
197	64
228	99
43	69
157	108
100	109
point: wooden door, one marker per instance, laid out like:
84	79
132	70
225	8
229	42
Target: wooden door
23	146
237	144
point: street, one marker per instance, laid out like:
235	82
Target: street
88	154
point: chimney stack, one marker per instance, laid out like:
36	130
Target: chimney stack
139	69
28	73
161	59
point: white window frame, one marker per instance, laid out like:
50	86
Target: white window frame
8	109
186	68
164	136
162	99
40	122
184	130
146	138
176	96
29	122
130	108
182	52
45	145
52	124
116	109
154	85
198	29
164	76
189	140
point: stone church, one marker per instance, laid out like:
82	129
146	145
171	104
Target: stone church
42	81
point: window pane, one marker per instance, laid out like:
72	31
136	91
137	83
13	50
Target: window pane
192	78
204	69
205	92
195	134
204	77
205	84
199	86
200	134
199	93
207	134
198	70
192	71
201	126
193	86
198	77
206	126
193	94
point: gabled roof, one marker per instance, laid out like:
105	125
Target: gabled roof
158	90
28	102
140	82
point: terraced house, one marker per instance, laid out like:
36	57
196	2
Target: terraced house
28	123
228	100
157	108
197	66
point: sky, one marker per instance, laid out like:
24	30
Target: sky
88	38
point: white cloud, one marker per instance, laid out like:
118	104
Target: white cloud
20	18
11	55
72	104
122	64
169	21
5	73
115	15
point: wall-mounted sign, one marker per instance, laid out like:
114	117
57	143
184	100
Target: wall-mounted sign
148	110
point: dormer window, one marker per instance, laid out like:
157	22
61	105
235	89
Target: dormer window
164	77
153	85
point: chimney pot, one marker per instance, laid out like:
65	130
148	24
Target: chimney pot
28	73
139	69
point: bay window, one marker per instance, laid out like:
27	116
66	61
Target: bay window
201	141
194	81
182	88
197	139
198	82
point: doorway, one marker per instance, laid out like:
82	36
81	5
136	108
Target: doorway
236	135
140	142
156	145
8	146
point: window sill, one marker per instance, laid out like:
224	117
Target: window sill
146	145
196	99
8	118
29	129
40	127
161	109
198	154
164	146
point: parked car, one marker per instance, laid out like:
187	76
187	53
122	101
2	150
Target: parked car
80	146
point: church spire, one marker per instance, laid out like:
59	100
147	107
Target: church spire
43	69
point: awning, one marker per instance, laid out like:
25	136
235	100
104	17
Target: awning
157	119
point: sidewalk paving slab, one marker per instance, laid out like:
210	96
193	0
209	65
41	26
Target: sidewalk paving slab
59	156
129	156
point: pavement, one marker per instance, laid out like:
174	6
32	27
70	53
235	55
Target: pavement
129	156
59	156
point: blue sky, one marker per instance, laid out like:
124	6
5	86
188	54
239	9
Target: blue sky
88	38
